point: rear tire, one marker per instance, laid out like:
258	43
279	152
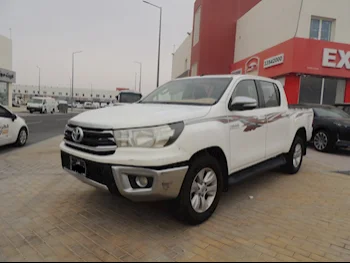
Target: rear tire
295	156
201	190
22	137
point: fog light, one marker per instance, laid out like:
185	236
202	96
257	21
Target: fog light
141	181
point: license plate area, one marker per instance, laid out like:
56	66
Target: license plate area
77	165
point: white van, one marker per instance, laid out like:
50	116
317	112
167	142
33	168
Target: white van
42	105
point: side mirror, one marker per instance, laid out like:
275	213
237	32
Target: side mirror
14	117
243	103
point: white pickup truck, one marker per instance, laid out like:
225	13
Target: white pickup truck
188	141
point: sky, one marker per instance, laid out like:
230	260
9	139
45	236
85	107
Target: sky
111	33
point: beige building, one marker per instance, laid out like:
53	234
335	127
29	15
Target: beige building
7	76
182	59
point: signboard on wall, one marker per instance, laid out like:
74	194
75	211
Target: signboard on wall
7	76
330	59
252	66
274	61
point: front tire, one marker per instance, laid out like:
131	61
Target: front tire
201	190
22	137
295	156
322	141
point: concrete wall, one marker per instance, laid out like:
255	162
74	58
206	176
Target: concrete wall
274	21
5	53
182	58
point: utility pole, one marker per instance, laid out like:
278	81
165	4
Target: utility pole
73	75
140	75
160	36
39	78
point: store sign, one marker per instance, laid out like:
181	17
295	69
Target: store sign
274	61
237	72
7	76
252	66
330	58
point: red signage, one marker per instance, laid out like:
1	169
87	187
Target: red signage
305	56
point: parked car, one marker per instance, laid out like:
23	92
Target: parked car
127	96
42	105
188	140
331	127
15	103
88	105
343	106
13	129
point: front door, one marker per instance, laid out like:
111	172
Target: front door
247	130
5	126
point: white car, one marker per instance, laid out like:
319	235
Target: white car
13	129
188	140
42	105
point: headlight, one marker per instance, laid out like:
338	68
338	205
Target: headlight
153	137
339	124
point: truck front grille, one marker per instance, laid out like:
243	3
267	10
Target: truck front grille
94	141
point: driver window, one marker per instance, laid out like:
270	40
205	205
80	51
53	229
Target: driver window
3	113
246	88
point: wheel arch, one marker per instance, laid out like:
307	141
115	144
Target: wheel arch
220	156
301	132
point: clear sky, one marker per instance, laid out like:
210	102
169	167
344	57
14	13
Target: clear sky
111	33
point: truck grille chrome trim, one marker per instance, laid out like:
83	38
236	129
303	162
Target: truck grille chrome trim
100	142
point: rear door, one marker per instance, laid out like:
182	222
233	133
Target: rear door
278	123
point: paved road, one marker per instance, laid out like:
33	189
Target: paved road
46	215
42	127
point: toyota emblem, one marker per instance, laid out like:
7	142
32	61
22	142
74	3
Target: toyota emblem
78	135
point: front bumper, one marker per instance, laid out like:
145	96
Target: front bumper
166	182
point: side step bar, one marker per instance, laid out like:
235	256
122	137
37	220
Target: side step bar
256	169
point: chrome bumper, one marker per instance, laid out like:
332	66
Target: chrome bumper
166	185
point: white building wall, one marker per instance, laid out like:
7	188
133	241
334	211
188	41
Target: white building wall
27	91
5	53
182	58
272	22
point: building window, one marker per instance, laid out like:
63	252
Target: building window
319	90
83	95
321	29
45	92
67	94
53	93
25	91
76	94
104	96
197	26
110	96
60	93
97	95
91	95
194	70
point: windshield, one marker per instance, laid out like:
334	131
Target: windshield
129	97
36	101
331	113
198	91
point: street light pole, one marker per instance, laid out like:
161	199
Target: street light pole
39	78
160	36
73	76
140	75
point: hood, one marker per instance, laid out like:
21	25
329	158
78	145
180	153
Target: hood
138	115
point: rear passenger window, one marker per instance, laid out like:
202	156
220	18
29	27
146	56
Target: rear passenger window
246	88
271	94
